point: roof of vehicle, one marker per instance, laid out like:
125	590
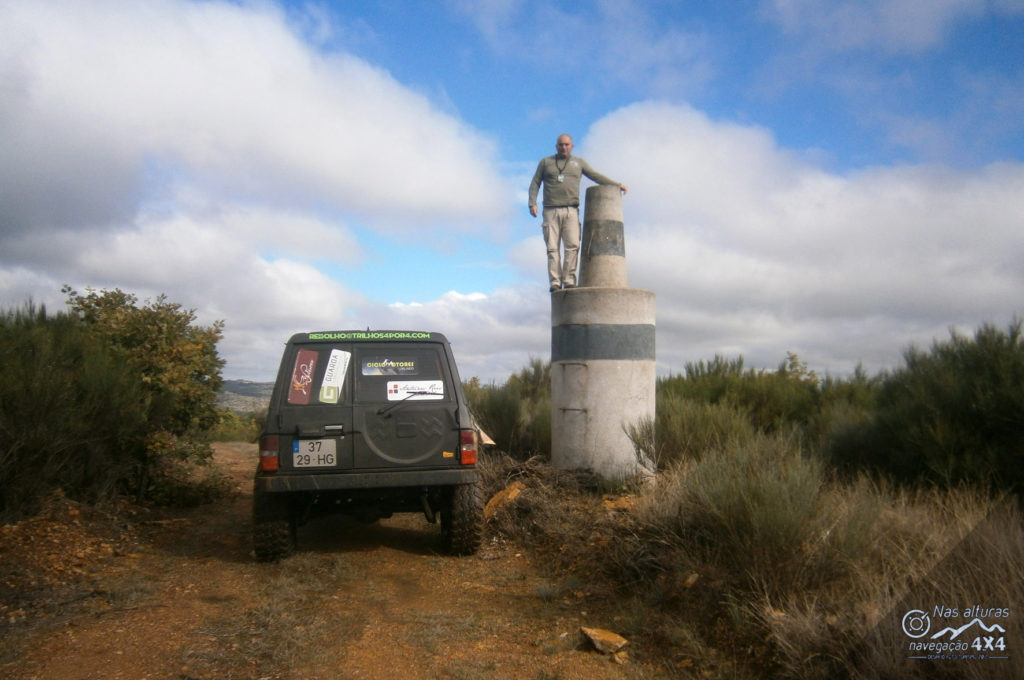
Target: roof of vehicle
368	336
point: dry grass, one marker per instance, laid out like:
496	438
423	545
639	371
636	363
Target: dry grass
753	562
272	634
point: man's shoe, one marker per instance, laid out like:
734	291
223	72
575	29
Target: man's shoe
570	285
554	287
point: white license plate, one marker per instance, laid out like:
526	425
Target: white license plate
314	453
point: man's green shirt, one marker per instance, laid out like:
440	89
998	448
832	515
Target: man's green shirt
564	192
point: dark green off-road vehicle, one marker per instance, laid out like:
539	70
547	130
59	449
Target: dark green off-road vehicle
367	423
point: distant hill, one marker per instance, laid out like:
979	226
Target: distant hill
245	396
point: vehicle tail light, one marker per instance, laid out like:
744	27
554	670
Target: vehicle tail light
268	454
467	447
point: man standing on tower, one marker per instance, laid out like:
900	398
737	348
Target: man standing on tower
561	175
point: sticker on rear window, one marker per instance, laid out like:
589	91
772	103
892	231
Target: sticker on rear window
389	366
334	376
414	390
302	377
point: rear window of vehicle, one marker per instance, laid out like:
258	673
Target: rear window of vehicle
414	374
321	374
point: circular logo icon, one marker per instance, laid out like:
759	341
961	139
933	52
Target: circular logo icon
916	623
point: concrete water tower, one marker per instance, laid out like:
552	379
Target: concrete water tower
602	351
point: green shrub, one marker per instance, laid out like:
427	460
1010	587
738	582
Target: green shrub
754	562
716	401
684	429
94	401
753	502
926	548
954	414
234	426
747	557
498	411
178	363
516	415
72	414
781	400
707	381
536	439
184	484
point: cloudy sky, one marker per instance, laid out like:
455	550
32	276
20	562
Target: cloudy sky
835	178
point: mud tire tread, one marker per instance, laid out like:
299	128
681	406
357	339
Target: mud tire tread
462	520
273	530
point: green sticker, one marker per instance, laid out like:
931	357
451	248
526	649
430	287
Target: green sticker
334	376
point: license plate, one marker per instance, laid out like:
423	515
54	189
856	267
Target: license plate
314	453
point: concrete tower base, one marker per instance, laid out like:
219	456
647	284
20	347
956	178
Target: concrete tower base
602	352
602	377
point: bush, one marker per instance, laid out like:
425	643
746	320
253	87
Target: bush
234	426
94	401
771	400
178	363
926	549
747	557
498	412
516	415
184	484
684	429
754	502
72	414
954	414
753	563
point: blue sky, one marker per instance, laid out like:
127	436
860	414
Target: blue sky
835	179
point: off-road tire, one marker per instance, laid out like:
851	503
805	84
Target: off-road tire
462	519
273	527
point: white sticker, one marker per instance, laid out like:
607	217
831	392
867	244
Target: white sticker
334	376
414	390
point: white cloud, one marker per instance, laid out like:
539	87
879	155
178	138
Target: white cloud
928	78
491	17
889	25
621	44
205	152
754	251
492	335
96	93
217	270
292	233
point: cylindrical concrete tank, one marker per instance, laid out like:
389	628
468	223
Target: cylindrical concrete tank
602	351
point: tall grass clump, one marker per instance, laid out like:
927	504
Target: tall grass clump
755	503
109	397
940	548
772	400
952	415
72	415
685	429
516	414
806	576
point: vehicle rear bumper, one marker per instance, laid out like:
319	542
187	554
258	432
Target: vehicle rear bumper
363	480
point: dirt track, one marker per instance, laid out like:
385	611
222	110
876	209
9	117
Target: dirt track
186	600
